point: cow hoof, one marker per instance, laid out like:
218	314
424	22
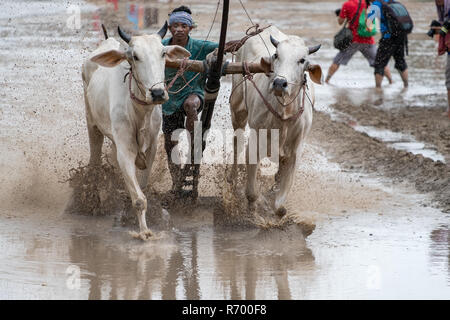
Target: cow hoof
281	212
252	198
140	161
143	235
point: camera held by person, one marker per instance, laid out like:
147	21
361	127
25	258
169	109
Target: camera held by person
337	12
445	28
434	27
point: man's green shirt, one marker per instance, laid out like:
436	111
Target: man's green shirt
199	49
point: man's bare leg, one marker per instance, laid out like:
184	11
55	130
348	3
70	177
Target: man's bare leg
191	105
378	80
448	99
404	76
332	70
388	75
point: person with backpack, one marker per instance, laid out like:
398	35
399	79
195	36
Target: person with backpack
395	25
444	43
354	11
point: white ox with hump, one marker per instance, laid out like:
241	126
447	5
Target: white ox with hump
124	107
284	58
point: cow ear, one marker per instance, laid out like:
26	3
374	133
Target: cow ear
176	52
266	65
110	58
315	73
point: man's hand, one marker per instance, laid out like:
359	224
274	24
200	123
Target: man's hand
211	58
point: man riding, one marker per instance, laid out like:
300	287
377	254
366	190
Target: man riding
186	96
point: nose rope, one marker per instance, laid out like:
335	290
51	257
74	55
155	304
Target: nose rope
292	83
139	85
303	84
132	96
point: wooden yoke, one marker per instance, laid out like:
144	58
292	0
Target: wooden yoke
231	68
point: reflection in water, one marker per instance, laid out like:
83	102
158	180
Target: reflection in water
202	262
128	275
246	264
440	248
243	262
180	269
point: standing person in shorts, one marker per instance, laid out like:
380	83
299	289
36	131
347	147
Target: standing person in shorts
392	44
365	45
446	19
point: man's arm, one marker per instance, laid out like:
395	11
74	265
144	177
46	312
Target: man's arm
343	14
446	9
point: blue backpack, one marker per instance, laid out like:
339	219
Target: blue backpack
399	21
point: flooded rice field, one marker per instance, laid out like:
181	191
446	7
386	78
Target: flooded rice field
370	200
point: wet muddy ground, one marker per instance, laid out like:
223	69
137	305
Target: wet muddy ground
371	195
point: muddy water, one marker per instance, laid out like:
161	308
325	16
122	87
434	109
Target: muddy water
373	239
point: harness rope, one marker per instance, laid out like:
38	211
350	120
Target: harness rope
294	117
139	84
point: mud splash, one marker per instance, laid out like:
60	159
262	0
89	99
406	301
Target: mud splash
97	191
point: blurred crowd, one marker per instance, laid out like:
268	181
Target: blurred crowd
362	19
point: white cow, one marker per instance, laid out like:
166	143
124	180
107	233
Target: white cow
126	108
284	59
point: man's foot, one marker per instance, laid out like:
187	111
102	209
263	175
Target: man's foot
179	192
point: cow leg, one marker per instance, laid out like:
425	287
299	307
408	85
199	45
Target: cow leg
286	177
95	145
113	155
126	155
239	123
149	158
95	136
239	118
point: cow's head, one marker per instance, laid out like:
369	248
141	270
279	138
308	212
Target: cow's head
287	66
146	55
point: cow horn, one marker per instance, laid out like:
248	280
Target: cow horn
104	31
311	50
123	35
274	42
162	32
